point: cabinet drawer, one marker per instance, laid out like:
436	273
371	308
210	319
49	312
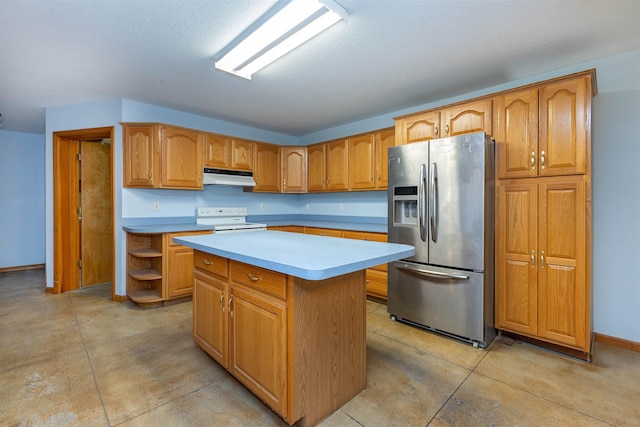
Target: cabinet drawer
184	233
323	231
373	237
211	263
262	279
377	283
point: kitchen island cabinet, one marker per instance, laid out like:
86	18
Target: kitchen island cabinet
290	324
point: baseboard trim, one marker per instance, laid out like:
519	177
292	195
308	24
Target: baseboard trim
120	298
618	342
21	268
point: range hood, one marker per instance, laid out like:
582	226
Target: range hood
228	177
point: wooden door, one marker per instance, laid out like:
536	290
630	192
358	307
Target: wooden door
316	167
475	116
362	162
517	134
217	151
182	161
96	224
419	127
516	257
561	264
267	168
258	345
294	169
563	128
384	139
337	165
210	324
242	154
141	157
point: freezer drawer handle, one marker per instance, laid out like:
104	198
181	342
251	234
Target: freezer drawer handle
407	267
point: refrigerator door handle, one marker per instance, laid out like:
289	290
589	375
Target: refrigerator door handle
421	201
427	272
433	202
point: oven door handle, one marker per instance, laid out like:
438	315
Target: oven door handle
427	272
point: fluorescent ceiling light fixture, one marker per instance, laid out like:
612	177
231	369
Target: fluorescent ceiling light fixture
294	24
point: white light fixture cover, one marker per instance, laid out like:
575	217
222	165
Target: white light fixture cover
243	60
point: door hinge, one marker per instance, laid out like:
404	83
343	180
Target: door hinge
79	157
80	264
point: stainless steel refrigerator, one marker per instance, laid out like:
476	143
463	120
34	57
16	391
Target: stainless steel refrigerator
441	201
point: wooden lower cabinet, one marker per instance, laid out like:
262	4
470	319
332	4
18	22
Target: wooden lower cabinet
542	281
323	231
376	276
158	270
269	331
289	228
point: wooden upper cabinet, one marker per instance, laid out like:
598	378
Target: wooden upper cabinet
294	169
564	108
418	127
517	134
475	116
384	139
181	157
337	165
362	162
217	152
225	152
316	172
141	159
242	154
266	170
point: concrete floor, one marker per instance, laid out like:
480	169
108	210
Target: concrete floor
81	359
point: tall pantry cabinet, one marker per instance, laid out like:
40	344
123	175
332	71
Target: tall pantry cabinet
543	217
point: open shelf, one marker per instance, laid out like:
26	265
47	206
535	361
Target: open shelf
145	253
145	274
146	297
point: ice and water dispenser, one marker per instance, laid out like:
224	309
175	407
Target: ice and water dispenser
405	206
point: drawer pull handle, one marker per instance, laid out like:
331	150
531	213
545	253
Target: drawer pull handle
253	278
207	262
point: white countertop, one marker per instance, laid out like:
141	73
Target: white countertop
306	256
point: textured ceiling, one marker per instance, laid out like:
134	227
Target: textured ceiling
389	55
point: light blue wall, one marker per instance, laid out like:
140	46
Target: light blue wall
21	199
616	204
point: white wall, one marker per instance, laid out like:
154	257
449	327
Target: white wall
21	199
616	203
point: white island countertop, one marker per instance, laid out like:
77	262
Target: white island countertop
306	256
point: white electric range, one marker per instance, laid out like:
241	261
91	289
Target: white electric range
226	220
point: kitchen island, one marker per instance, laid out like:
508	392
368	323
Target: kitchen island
285	313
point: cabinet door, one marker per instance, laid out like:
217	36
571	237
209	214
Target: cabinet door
517	134
140	155
217	151
258	346
362	162
419	127
516	258
182	158
267	168
337	165
294	169
563	128
180	277
376	283
242	154
384	140
561	264
210	327
471	117
316	167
